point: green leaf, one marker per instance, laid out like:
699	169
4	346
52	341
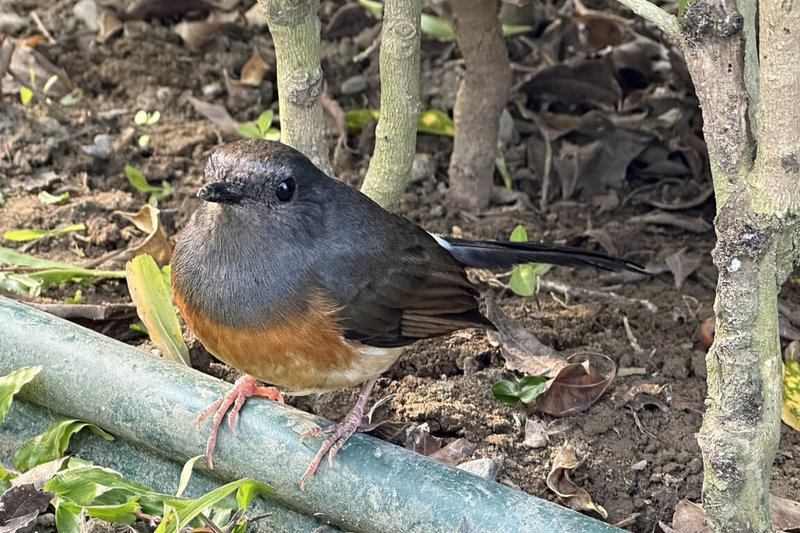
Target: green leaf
73	98
22	235
143	141
431	121
506	392
502	168
68	518
525	390
140	183
530	388
153	118
52	444
11	384
682	5
140	117
137	180
248	131
376	8
356	119
436	122
436	27
510	30
25	95
84	484
186	474
51	273
519	234
49	83
121	513
248	491
523	280
194	508
49	199
154	306
265	121
76	300
273	134
790	406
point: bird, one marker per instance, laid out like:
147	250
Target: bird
301	281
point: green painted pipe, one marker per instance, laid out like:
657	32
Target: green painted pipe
373	485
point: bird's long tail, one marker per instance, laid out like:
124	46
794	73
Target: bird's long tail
496	254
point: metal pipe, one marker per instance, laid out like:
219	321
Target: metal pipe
373	485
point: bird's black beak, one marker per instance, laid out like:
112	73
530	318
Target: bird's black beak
221	192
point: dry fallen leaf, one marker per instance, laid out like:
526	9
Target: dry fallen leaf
455	452
691	518
521	350
535	433
156	243
576	386
681	266
559	482
253	71
108	24
196	33
420	440
216	113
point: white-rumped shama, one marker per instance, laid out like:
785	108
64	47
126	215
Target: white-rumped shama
298	280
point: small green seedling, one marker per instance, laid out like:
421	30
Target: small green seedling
524	277
525	390
143	118
50	199
140	183
76	300
26	93
263	129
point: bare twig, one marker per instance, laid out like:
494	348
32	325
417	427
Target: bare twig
562	288
631	338
649	11
42	27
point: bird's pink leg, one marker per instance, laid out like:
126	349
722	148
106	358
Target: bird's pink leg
232	401
338	433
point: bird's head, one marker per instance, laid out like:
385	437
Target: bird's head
265	185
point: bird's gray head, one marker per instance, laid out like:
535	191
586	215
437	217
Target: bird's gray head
264	185
255	171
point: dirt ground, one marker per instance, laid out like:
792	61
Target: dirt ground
638	459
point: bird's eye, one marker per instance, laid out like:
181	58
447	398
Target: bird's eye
285	190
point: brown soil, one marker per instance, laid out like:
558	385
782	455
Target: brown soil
445	382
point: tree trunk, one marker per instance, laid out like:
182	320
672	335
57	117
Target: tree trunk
482	95
396	134
294	26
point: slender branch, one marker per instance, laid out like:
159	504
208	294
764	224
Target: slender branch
294	26
666	22
396	133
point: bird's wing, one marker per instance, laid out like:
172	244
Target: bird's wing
408	290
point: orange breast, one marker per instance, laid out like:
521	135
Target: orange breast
307	352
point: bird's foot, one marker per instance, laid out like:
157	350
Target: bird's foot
232	402
338	433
